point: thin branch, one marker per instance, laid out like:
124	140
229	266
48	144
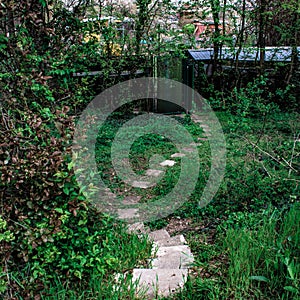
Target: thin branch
268	154
296	137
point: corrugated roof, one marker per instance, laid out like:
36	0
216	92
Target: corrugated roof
279	54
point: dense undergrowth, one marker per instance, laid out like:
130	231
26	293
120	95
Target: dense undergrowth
246	241
55	245
49	231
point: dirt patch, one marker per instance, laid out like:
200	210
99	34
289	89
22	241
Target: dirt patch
177	225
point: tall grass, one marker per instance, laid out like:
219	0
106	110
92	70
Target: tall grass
264	261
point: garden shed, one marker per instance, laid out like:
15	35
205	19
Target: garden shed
277	62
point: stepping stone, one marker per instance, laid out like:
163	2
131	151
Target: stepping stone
138	227
177	155
205	126
131	200
172	241
162	238
159	235
141	184
173	257
109	193
179	115
152	172
168	163
161	282
128	213
188	149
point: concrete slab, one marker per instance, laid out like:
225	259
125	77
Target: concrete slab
138	227
172	241
152	172
109	193
204	126
159	235
177	155
141	184
161	282
128	213
168	163
188	149
131	200
179	115
173	257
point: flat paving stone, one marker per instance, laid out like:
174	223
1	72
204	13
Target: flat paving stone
138	227
161	282
131	200
168	163
152	172
204	126
141	184
109	193
179	115
159	235
188	149
172	241
128	213
177	155
173	257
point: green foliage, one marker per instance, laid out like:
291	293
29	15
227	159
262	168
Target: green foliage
53	243
6	236
263	260
48	231
49	228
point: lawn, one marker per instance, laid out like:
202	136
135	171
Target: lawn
246	241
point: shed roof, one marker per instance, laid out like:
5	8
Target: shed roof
251	54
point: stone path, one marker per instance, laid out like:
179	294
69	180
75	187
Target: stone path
172	256
169	268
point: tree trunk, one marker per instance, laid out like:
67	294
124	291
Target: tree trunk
261	35
215	7
240	42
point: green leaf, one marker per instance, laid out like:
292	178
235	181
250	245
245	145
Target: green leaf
82	222
59	210
70	165
66	190
290	288
259	278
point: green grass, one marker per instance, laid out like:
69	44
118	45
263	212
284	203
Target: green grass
142	151
249	248
247	251
99	287
245	242
109	249
261	262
